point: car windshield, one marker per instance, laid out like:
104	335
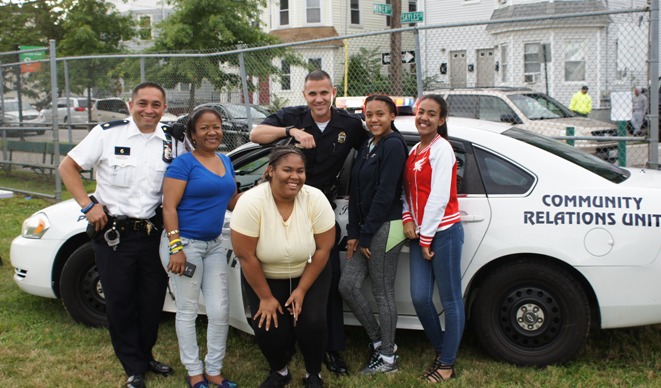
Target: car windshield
589	162
239	112
12	106
537	106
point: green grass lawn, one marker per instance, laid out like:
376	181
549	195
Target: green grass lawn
41	346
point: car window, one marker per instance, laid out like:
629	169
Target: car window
12	106
469	181
462	106
539	106
495	109
249	168
239	112
501	176
82	102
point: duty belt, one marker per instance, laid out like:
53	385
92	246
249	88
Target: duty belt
127	223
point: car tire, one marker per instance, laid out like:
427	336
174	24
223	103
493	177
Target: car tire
531	313
80	288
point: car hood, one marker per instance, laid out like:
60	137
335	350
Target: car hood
27	114
582	126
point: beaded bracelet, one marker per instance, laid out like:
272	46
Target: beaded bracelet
176	249
172	232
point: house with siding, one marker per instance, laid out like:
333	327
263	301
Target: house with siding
304	20
555	56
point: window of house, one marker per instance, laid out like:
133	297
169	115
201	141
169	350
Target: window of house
313	11
285	79
504	64
183	87
354	5
315	63
284	12
144	27
532	58
574	61
412	8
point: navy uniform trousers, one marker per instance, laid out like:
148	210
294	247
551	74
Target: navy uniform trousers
134	283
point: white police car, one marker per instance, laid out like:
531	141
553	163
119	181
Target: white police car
557	242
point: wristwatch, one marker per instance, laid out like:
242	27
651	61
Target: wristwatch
288	130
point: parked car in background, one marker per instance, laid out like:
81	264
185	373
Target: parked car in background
235	121
109	109
11	115
531	110
557	242
75	113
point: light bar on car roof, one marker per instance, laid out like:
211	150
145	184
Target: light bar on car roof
355	104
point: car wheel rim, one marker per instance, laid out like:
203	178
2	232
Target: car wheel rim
530	317
92	290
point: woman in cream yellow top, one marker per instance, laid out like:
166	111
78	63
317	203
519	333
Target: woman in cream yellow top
282	233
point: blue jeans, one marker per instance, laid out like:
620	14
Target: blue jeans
444	270
211	278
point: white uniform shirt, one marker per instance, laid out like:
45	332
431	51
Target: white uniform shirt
129	167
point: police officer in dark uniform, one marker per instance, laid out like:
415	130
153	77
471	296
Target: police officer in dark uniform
130	157
326	136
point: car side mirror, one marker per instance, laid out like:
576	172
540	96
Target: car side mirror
510	118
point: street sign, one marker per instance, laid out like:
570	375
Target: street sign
412	17
27	66
407	57
382	9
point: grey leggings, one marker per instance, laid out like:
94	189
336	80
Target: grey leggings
382	269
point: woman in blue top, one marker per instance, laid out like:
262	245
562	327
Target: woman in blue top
375	231
198	188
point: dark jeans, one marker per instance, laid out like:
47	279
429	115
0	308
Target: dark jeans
444	271
310	329
134	285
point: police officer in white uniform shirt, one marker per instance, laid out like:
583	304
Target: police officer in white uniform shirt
130	157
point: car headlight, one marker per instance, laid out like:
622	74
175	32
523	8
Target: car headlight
35	226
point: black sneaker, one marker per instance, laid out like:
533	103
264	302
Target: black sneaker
379	365
376	352
313	381
276	380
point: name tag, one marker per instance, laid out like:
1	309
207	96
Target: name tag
123	151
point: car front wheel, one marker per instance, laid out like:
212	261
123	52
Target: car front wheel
80	288
531	313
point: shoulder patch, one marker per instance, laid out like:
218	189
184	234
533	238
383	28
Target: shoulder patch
114	123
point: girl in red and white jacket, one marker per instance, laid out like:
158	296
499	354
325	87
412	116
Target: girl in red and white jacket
432	221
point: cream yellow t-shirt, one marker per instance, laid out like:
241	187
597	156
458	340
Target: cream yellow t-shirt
283	247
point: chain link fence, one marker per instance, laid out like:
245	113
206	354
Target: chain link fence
518	67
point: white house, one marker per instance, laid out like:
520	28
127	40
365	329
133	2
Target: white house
555	56
295	21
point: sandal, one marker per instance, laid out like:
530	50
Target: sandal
433	374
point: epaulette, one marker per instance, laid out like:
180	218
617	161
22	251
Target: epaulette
113	123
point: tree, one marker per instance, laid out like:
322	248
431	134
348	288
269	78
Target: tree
204	25
30	23
93	27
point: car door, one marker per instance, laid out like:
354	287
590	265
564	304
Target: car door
475	216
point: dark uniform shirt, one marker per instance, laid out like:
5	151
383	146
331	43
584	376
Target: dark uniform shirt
324	162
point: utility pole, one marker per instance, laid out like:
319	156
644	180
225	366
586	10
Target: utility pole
396	50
